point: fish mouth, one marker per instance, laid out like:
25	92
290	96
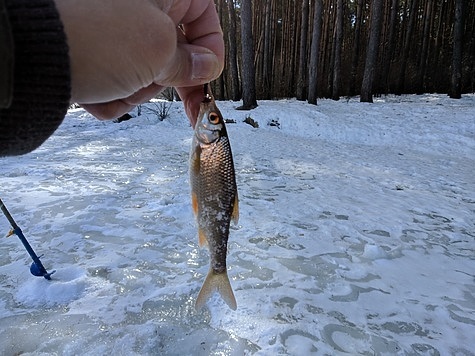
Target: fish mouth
207	94
211	127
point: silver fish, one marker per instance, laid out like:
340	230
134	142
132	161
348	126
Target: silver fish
214	197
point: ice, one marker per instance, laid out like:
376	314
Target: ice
356	234
373	252
70	284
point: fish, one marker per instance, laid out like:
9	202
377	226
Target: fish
214	197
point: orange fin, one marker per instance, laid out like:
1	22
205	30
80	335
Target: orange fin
235	214
216	282
202	241
194	203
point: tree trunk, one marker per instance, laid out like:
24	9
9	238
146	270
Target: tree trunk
219	86
470	28
326	64
232	53
372	51
267	53
315	52
356	47
248	69
456	80
391	45
302	73
421	87
407	46
338	47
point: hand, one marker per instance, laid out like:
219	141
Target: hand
125	52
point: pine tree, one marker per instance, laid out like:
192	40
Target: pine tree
372	51
248	69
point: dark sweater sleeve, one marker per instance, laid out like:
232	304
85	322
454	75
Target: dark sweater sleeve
6	58
41	76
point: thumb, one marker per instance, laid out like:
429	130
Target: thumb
191	65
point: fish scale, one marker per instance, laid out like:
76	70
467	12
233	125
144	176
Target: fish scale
215	193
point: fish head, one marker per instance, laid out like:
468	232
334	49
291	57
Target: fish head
210	124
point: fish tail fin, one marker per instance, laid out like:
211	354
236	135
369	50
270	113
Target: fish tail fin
216	282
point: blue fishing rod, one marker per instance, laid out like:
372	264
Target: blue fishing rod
36	268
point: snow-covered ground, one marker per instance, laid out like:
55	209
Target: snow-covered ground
356	234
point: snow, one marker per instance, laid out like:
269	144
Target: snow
356	234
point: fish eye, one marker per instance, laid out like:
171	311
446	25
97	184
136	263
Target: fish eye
213	118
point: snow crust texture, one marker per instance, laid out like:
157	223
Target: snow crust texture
356	234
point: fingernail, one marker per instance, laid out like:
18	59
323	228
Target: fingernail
205	66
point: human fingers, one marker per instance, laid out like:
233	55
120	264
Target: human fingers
117	47
200	47
191	66
116	108
202	27
191	97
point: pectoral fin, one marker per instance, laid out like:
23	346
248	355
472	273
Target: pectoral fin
202	241
235	214
194	203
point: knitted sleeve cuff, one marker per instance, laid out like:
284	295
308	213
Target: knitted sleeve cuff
41	80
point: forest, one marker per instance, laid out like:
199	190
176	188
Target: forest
312	49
